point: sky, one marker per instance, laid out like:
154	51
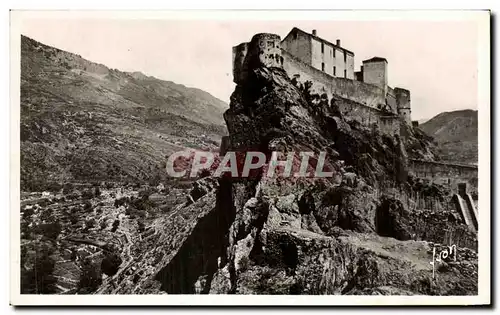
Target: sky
435	60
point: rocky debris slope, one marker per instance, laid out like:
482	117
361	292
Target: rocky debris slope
353	233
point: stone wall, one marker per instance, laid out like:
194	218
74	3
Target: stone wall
362	100
357	91
371	117
266	48
299	45
445	173
375	72
263	49
404	104
239	55
391	99
330	57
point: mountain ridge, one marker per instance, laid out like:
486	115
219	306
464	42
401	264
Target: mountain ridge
83	121
456	134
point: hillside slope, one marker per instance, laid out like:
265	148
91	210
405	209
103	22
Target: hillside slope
81	121
456	135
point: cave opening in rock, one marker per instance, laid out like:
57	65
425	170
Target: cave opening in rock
290	254
390	220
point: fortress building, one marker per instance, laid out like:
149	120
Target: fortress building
330	67
320	54
364	96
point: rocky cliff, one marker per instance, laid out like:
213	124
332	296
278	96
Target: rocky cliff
362	231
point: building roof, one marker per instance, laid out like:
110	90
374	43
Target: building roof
375	59
318	38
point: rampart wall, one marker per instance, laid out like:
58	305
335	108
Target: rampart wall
369	116
391	99
357	91
362	101
444	173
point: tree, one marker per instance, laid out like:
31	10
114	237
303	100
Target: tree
140	226
87	206
90	223
51	230
120	202
87	194
111	264
90	278
204	173
307	90
68	188
74	254
39	279
73	218
116	224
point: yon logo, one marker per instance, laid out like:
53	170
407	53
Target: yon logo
443	254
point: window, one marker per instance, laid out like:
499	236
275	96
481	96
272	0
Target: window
345	57
295	35
270	44
333	52
322	66
345	73
334	70
322	48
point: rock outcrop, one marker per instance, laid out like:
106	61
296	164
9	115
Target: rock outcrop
353	233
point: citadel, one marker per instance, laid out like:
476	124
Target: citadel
330	67
366	96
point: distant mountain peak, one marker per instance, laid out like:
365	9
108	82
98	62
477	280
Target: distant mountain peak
456	134
139	75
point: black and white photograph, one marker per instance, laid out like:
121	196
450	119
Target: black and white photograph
264	158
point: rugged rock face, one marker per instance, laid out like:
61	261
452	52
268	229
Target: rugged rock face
354	233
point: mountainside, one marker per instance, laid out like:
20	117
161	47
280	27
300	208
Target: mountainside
82	121
456	135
